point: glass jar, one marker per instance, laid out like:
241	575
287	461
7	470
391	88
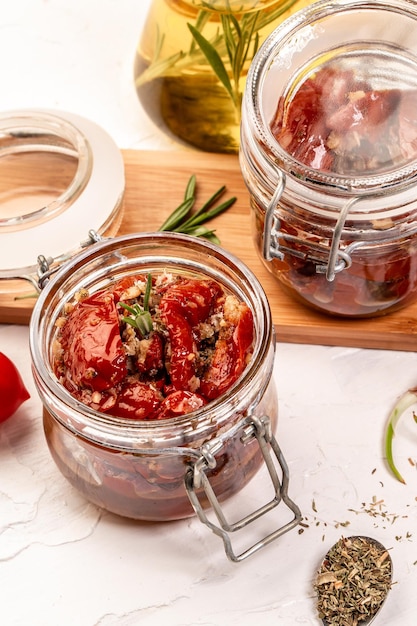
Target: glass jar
191	85
60	176
165	469
334	200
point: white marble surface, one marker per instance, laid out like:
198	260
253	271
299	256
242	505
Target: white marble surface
63	561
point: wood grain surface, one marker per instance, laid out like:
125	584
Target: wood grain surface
155	183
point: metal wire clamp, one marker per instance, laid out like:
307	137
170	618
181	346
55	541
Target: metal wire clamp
196	478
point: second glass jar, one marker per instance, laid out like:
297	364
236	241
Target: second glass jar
329	155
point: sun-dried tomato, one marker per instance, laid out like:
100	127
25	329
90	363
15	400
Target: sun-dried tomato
93	354
230	353
337	121
184	305
198	343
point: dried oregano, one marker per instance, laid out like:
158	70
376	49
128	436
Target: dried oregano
353	581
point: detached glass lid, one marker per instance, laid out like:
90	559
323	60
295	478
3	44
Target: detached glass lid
61	177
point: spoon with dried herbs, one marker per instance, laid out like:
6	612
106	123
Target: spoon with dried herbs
353	582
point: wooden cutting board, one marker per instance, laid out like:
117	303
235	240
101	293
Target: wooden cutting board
155	183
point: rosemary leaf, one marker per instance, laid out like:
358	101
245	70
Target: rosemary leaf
163	67
249	33
140	317
141	322
206	206
147	295
128	308
255	45
201	217
160	39
190	189
176	217
204	232
213	59
202	18
216	196
209	215
228	37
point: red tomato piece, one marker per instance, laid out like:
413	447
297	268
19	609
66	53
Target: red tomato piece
301	129
230	354
12	389
183	305
137	400
151	357
180	403
93	349
182	351
333	116
366	112
192	299
123	285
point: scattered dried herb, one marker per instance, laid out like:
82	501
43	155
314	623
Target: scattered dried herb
353	581
378	510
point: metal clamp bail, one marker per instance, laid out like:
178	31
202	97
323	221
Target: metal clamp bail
196	478
271	246
48	266
333	265
338	259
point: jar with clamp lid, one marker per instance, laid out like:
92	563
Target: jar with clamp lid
329	155
175	464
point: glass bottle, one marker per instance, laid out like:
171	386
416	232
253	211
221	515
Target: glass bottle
192	61
341	235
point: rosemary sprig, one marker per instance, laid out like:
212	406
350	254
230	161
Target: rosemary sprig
182	220
177	215
140	317
240	39
227	52
215	61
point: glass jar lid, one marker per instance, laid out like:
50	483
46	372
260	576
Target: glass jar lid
61	176
334	90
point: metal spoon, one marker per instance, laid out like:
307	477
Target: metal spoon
341	555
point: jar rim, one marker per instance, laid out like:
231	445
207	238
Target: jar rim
87	419
396	180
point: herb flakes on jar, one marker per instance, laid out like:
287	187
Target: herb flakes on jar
353	581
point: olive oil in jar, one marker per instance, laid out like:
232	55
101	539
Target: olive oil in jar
192	60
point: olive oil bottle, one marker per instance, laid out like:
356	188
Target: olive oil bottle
192	60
